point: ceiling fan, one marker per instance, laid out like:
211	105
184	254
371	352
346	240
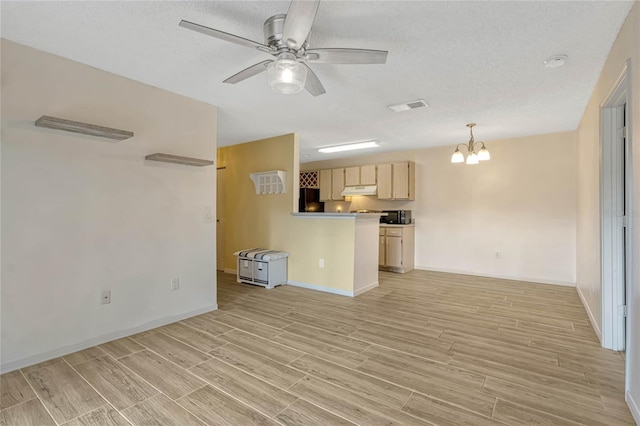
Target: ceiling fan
287	38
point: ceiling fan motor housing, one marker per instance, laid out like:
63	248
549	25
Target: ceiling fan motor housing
272	29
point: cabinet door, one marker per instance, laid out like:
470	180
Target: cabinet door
401	181
352	176
384	182
325	185
368	174
393	256
381	250
337	184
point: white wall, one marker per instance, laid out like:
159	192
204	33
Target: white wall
626	46
521	203
82	214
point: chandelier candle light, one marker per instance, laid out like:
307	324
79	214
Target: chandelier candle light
472	157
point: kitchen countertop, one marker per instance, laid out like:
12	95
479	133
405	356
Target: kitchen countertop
336	215
399	225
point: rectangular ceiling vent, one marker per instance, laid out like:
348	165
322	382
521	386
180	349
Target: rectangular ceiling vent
419	103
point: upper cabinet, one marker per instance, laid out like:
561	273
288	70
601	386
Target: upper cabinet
337	184
368	174
352	176
331	184
396	181
325	185
360	175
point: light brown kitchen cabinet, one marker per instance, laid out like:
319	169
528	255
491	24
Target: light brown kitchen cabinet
396	181
360	175
325	185
385	188
331	184
337	184
368	174
352	176
396	248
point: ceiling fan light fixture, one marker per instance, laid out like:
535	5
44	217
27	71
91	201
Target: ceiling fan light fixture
286	75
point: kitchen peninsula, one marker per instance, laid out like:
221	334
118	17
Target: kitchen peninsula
343	251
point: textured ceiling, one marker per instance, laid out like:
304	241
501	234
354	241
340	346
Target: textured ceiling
474	61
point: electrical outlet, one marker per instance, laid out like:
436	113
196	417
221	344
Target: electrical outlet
175	284
106	297
321	263
498	255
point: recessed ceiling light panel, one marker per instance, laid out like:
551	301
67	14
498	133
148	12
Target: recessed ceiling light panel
555	61
349	147
418	103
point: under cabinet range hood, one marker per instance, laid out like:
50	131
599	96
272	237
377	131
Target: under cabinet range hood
359	190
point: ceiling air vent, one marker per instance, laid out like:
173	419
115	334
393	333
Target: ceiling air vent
419	103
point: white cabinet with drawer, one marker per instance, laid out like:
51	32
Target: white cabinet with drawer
396	248
267	268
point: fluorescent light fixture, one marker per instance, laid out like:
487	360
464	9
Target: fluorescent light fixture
349	147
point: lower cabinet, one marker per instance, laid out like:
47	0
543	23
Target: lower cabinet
396	248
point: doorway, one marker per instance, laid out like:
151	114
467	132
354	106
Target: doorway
616	189
220	219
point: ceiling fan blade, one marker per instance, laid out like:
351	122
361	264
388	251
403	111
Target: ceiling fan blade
313	84
248	72
299	20
223	36
347	56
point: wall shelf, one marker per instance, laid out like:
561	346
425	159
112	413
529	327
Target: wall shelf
176	159
272	182
83	128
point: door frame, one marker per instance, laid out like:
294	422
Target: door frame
220	218
614	249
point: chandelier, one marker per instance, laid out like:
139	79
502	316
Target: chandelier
472	156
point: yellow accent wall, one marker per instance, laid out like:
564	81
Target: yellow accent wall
253	220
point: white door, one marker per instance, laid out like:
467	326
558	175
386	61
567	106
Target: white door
220	220
615	179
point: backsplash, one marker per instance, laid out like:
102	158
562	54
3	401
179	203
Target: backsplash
367	203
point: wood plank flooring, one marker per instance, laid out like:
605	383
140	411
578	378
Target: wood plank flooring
423	348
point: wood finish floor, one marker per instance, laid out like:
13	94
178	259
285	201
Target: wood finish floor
423	348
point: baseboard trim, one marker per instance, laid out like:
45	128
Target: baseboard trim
366	288
502	277
65	350
321	288
633	407
230	271
592	318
